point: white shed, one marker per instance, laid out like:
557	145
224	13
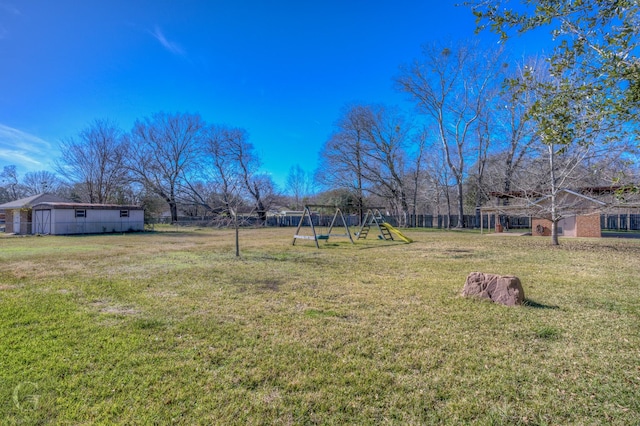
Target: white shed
57	218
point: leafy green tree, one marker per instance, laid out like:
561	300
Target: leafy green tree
597	40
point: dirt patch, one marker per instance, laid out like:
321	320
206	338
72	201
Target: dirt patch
106	307
7	287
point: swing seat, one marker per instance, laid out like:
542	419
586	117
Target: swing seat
323	237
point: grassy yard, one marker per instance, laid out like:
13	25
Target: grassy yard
168	327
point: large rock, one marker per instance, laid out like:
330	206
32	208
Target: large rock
505	289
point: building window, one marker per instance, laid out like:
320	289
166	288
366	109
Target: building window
81	213
124	213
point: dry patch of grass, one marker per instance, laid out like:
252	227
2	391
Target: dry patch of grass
171	327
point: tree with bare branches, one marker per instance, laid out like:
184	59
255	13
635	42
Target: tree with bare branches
258	186
96	160
343	155
10	183
41	182
368	153
165	150
298	185
386	165
453	86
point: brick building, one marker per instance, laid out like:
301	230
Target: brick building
580	215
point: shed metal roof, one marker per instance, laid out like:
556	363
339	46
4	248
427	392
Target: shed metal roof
65	205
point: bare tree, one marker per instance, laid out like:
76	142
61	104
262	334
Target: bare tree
219	171
483	141
342	157
164	153
96	160
517	131
263	192
559	169
41	182
258	185
385	166
9	180
229	167
440	181
417	172
298	185
453	86
367	153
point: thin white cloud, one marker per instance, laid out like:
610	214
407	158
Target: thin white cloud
171	46
8	7
24	150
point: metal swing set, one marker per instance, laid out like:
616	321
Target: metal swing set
373	218
323	234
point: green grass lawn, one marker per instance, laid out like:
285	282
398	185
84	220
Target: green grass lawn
169	327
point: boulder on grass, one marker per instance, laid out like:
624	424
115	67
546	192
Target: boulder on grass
506	289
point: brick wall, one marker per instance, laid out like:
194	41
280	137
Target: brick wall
25	221
586	226
589	226
540	227
8	222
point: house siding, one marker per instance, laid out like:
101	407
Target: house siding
63	221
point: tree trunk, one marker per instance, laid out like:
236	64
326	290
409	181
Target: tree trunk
262	214
554	233
448	208
173	209
236	226
554	191
460	205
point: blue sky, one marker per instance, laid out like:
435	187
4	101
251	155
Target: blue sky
283	70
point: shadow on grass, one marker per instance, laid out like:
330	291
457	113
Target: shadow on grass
171	233
529	303
382	245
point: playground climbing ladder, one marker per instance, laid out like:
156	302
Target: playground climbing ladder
385	229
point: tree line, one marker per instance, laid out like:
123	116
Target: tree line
177	160
482	126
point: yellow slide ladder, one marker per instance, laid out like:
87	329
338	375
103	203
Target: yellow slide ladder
396	232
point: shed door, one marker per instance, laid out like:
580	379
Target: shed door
42	222
16	221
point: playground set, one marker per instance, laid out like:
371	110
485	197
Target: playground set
319	232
